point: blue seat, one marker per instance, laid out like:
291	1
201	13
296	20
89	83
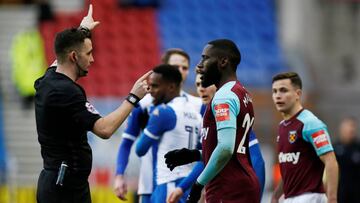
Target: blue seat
189	25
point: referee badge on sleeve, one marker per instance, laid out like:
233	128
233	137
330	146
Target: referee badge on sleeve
91	108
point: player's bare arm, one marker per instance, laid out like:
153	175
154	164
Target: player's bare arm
332	175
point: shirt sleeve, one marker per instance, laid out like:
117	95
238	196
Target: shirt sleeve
123	156
316	133
133	128
186	183
74	103
162	119
218	159
257	159
225	109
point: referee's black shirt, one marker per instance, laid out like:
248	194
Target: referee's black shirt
63	117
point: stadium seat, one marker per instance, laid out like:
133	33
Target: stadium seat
251	24
126	46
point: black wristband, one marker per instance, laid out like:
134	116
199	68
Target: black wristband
133	99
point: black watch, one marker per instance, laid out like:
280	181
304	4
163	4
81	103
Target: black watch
133	99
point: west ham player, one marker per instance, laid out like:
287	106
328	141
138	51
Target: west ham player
173	123
304	147
206	94
137	121
228	120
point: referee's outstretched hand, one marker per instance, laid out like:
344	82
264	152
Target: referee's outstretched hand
180	157
88	20
141	87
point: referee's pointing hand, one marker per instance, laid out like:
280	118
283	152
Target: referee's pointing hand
140	87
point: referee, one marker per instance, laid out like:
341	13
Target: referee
63	117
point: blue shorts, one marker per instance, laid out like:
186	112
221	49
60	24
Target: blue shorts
162	191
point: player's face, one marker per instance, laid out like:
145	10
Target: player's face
158	88
84	57
208	67
285	95
206	94
348	131
182	63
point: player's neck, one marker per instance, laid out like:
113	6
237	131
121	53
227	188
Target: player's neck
292	112
171	97
225	79
67	70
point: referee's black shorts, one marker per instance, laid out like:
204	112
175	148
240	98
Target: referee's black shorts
75	189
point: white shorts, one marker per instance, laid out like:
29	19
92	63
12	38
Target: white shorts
146	174
307	198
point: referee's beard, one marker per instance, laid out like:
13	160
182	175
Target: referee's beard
81	71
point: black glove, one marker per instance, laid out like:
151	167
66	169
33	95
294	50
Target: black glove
195	193
180	157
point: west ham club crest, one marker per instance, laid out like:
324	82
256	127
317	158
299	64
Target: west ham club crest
292	136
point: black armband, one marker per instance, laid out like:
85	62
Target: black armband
133	99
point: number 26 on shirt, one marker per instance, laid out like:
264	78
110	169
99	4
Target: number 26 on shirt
247	123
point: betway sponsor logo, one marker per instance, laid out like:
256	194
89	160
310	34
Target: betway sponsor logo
292	157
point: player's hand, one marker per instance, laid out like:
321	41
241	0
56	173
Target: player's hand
120	187
195	193
141	87
88	20
175	196
180	157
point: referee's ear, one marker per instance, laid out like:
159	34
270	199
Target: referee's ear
72	56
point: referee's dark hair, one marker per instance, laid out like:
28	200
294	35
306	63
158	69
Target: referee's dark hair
227	48
69	40
169	73
294	78
166	57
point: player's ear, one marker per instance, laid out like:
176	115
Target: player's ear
172	87
298	93
223	62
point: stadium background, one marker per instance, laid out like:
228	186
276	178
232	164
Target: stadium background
317	38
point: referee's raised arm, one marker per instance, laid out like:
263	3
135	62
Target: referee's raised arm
64	116
106	126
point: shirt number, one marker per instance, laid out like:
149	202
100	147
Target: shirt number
247	123
190	130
